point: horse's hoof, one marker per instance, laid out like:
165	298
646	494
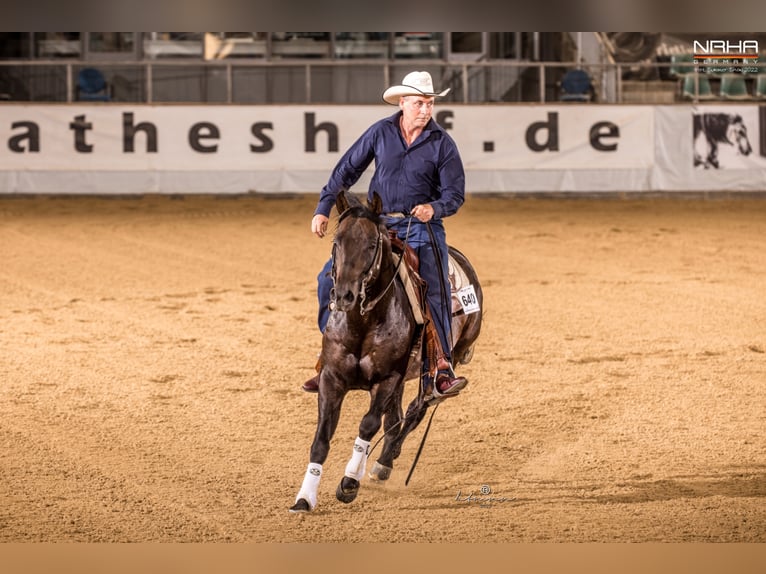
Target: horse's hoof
301	505
347	489
380	472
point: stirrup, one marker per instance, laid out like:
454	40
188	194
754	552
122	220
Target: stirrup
434	397
458	383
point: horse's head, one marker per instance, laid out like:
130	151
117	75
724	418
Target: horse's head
737	135
358	249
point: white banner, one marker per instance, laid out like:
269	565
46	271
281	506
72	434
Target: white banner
710	148
110	148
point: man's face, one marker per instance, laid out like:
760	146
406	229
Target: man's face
417	109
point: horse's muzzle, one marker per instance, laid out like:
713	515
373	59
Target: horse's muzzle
344	299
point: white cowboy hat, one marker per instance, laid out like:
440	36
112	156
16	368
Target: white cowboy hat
413	84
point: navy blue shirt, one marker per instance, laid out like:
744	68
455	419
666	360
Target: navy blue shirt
428	171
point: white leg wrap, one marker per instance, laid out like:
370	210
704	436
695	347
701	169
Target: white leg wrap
358	462
310	484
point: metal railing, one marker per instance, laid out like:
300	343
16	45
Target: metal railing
331	82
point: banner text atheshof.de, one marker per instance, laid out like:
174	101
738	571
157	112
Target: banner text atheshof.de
203	137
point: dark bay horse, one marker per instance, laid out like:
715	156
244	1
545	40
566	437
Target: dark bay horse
368	344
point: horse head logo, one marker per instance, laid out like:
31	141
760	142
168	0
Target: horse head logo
712	130
737	135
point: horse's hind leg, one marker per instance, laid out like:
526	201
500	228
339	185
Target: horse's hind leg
392	446
392	425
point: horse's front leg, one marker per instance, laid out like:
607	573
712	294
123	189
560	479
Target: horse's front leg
381	398
329	402
713	154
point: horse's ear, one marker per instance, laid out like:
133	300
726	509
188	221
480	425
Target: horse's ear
377	204
341	201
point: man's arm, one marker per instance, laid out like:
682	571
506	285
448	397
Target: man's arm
452	178
347	171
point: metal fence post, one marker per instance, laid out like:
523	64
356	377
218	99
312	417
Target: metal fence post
149	92
69	84
464	73
229	84
308	83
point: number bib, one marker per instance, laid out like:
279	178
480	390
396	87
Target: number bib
468	299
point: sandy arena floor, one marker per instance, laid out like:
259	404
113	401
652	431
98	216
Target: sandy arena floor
152	349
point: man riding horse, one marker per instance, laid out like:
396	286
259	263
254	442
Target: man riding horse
420	178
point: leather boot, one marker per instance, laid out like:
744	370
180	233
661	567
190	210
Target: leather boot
447	382
312	385
448	385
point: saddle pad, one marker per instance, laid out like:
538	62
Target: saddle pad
458	280
457	277
409	289
461	287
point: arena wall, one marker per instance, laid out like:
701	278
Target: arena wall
137	149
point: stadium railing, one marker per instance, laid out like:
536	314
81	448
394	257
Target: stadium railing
328	82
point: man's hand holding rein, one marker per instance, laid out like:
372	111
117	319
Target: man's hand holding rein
423	212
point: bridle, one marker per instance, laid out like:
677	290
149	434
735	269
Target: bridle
369	275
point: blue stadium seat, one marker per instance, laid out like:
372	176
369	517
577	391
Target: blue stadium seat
576	86
91	86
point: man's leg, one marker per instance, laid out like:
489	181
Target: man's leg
433	276
324	286
435	271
